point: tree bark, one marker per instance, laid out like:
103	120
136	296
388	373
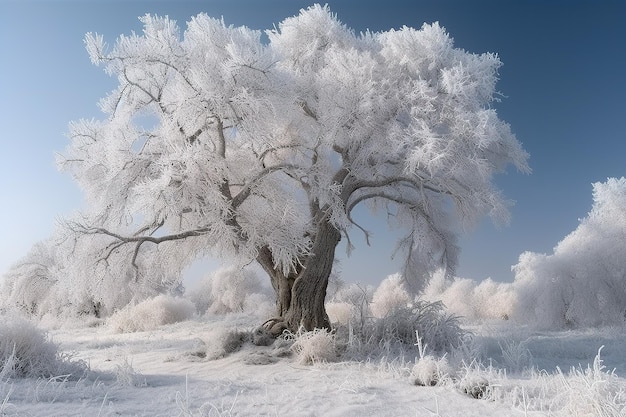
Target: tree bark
300	295
308	294
280	282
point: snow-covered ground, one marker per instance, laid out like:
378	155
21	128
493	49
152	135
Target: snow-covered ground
185	369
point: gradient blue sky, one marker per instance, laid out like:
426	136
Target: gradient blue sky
564	81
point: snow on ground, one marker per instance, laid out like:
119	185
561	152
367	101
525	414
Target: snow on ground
182	369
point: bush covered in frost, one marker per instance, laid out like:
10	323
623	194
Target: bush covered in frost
314	346
219	342
26	351
429	371
152	313
390	295
340	313
440	331
471	300
369	321
350	305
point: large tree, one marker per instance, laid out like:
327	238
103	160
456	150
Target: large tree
217	142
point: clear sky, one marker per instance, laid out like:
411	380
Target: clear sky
563	81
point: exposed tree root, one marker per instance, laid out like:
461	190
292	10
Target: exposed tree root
265	334
275	326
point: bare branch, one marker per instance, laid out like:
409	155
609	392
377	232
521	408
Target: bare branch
154	226
396	180
146	92
247	189
142	239
365	231
307	109
137	238
276	149
181	73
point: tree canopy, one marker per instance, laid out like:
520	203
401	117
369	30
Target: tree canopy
220	142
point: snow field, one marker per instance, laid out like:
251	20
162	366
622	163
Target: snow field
196	367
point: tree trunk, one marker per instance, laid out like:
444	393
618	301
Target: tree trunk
308	293
300	295
282	285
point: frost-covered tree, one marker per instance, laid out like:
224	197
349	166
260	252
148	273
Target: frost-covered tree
218	143
29	281
70	274
583	282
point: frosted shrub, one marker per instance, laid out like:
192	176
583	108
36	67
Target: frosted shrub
263	305
473	301
314	346
439	330
390	295
516	356
368	321
127	377
341	313
218	342
430	371
230	290
474	384
355	300
201	295
152	313
26	351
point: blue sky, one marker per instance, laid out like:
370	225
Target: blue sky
563	81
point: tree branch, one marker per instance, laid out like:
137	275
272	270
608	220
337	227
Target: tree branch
247	189
307	110
397	180
142	239
137	239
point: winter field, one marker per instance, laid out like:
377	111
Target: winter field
550	343
219	144
161	358
216	144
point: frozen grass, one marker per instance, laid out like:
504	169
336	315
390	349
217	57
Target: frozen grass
127	377
590	392
583	391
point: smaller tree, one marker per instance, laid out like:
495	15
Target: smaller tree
583	282
73	274
29	282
